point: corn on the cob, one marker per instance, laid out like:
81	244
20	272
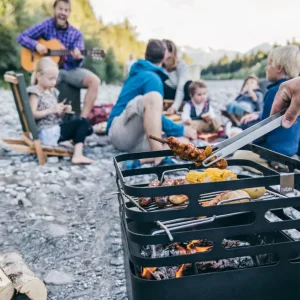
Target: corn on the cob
210	175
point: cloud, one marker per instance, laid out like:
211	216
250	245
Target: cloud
230	24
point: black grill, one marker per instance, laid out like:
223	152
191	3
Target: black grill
255	255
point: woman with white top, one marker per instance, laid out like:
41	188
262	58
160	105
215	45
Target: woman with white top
177	86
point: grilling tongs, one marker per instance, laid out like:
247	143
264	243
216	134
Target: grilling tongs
238	141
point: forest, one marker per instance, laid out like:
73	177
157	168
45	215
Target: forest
118	40
241	66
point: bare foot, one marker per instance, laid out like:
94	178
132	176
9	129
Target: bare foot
81	160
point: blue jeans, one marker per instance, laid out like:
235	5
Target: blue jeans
239	108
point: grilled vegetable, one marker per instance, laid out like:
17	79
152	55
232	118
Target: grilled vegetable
178	199
255	193
227	196
210	175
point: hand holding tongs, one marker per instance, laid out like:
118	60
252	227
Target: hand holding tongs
238	141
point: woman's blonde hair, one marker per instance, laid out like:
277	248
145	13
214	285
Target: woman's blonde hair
173	60
40	67
252	76
288	57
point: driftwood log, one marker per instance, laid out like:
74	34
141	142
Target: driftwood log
23	280
6	287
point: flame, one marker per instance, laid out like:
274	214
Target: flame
193	247
180	271
182	250
147	272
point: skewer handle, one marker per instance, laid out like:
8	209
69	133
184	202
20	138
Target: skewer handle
155	138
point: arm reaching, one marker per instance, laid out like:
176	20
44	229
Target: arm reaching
40	114
288	96
183	74
28	38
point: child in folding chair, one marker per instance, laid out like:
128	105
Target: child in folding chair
198	112
48	113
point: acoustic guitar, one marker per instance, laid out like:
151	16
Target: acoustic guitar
29	58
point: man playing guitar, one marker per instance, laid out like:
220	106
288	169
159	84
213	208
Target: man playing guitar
71	72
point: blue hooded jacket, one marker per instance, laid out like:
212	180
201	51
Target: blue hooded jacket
281	140
144	77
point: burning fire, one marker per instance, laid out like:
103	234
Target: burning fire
194	247
191	248
180	271
147	272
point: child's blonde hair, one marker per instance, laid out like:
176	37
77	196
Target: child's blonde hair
196	84
40	67
288	57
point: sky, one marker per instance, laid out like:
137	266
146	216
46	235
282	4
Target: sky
219	24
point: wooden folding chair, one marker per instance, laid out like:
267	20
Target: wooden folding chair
29	141
168	103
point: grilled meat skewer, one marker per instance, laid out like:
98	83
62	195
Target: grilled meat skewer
188	151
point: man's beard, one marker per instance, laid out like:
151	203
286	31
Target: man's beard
58	22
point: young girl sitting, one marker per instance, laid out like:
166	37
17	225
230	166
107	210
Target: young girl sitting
48	112
198	113
249	100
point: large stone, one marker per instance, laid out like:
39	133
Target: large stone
64	174
56	230
5	163
58	278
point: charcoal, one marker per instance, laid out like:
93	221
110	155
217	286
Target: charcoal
226	264
234	243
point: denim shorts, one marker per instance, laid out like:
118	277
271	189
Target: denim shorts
239	108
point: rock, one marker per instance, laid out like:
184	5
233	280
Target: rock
48	218
116	262
58	278
5	163
25	202
21	195
92	221
64	174
56	230
52	160
20	188
13	193
26	183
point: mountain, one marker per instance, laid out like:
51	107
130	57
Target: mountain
265	47
206	55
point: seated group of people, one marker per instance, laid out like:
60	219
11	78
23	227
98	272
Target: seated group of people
138	111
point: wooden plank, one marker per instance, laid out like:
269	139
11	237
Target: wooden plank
39	152
27	140
57	153
20	105
17	142
11	79
21	148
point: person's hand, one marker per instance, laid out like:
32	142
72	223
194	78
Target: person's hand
188	122
288	96
245	89
41	49
59	108
171	110
68	108
190	133
77	54
248	118
206	117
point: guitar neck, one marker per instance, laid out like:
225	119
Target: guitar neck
64	52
